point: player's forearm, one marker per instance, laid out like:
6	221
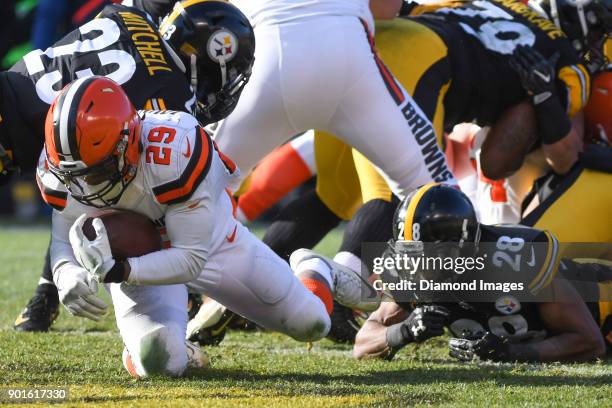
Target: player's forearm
167	267
563	347
385	9
563	154
371	341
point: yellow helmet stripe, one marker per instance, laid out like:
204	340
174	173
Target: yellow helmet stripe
412	209
177	11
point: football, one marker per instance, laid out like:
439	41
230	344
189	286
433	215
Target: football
509	140
130	234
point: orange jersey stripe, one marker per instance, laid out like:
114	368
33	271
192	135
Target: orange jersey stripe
278	173
196	170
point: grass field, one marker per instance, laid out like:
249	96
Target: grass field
262	369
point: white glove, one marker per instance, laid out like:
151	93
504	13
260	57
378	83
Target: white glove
77	292
95	256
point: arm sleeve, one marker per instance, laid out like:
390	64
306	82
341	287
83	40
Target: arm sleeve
576	88
189	226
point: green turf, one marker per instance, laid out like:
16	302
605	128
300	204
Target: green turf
263	369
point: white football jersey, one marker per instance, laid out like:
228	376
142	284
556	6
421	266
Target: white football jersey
180	179
283	11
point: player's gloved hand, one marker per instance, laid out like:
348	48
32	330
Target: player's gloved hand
487	347
424	322
96	255
537	73
538	77
77	292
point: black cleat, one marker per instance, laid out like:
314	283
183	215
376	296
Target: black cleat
344	325
194	302
40	312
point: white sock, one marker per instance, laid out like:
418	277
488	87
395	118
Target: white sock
43	281
317	265
349	260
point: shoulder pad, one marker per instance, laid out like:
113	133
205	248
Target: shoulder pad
177	155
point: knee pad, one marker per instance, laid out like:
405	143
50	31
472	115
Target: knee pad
310	322
160	351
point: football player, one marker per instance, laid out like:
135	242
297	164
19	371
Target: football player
458	69
562	328
316	67
101	153
123	44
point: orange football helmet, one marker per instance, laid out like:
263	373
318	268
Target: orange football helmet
91	140
598	112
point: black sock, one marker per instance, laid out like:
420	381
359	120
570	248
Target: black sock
301	224
373	222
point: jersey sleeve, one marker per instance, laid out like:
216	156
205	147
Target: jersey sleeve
190	228
178	170
547	267
576	84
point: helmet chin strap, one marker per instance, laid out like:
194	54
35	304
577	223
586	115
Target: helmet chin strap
223	67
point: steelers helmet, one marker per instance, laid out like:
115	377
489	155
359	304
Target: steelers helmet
436	213
92	140
217	44
587	24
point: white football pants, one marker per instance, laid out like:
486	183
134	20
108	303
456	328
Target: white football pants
322	73
243	274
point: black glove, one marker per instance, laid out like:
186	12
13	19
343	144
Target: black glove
537	73
538	77
487	347
423	323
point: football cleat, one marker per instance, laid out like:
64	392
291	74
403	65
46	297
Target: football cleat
344	325
40	312
209	325
196	359
194	302
349	288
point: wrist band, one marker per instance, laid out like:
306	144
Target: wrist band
398	336
116	273
553	123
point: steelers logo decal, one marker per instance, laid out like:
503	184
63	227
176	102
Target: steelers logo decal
222	46
507	305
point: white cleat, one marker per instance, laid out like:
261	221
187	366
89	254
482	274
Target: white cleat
349	288
209	315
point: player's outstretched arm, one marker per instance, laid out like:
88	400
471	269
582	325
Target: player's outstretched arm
577	336
371	340
189	227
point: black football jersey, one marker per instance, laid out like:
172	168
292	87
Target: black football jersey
510	251
157	9
122	43
481	37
